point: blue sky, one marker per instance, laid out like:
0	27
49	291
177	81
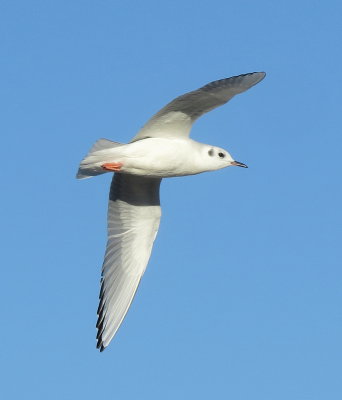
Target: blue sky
242	296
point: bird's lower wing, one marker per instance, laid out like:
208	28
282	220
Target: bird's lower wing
133	222
177	117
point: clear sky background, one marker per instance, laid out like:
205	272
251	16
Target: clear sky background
242	297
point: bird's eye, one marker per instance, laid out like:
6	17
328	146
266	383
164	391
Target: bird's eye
221	155
211	152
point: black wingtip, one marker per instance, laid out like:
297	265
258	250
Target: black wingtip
99	345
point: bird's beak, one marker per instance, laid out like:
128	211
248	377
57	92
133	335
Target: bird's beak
239	164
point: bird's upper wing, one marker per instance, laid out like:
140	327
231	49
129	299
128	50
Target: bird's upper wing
177	117
133	221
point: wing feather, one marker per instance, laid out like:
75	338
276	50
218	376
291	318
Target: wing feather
133	221
177	117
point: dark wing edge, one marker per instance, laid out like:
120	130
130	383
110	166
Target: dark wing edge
133	222
176	118
212	95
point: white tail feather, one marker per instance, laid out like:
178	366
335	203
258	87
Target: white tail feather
98	154
103	144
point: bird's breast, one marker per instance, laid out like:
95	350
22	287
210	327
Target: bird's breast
161	158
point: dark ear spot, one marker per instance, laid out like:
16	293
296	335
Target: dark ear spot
211	152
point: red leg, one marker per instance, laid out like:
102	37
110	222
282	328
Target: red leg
113	167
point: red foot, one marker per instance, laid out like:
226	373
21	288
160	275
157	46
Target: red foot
115	166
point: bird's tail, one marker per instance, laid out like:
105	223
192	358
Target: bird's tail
98	154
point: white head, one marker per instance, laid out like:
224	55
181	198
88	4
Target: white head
217	158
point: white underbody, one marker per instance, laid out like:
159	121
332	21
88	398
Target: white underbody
153	157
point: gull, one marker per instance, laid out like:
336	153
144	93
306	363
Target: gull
161	149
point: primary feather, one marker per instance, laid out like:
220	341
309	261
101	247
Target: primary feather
177	117
133	221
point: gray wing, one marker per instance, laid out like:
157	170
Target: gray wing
133	222
177	117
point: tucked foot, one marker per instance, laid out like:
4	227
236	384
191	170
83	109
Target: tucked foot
115	166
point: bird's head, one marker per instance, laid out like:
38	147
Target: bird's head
218	158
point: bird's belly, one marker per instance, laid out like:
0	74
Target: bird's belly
167	160
156	169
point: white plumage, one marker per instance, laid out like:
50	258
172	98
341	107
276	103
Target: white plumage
162	148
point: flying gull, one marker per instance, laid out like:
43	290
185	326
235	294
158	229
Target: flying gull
161	149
